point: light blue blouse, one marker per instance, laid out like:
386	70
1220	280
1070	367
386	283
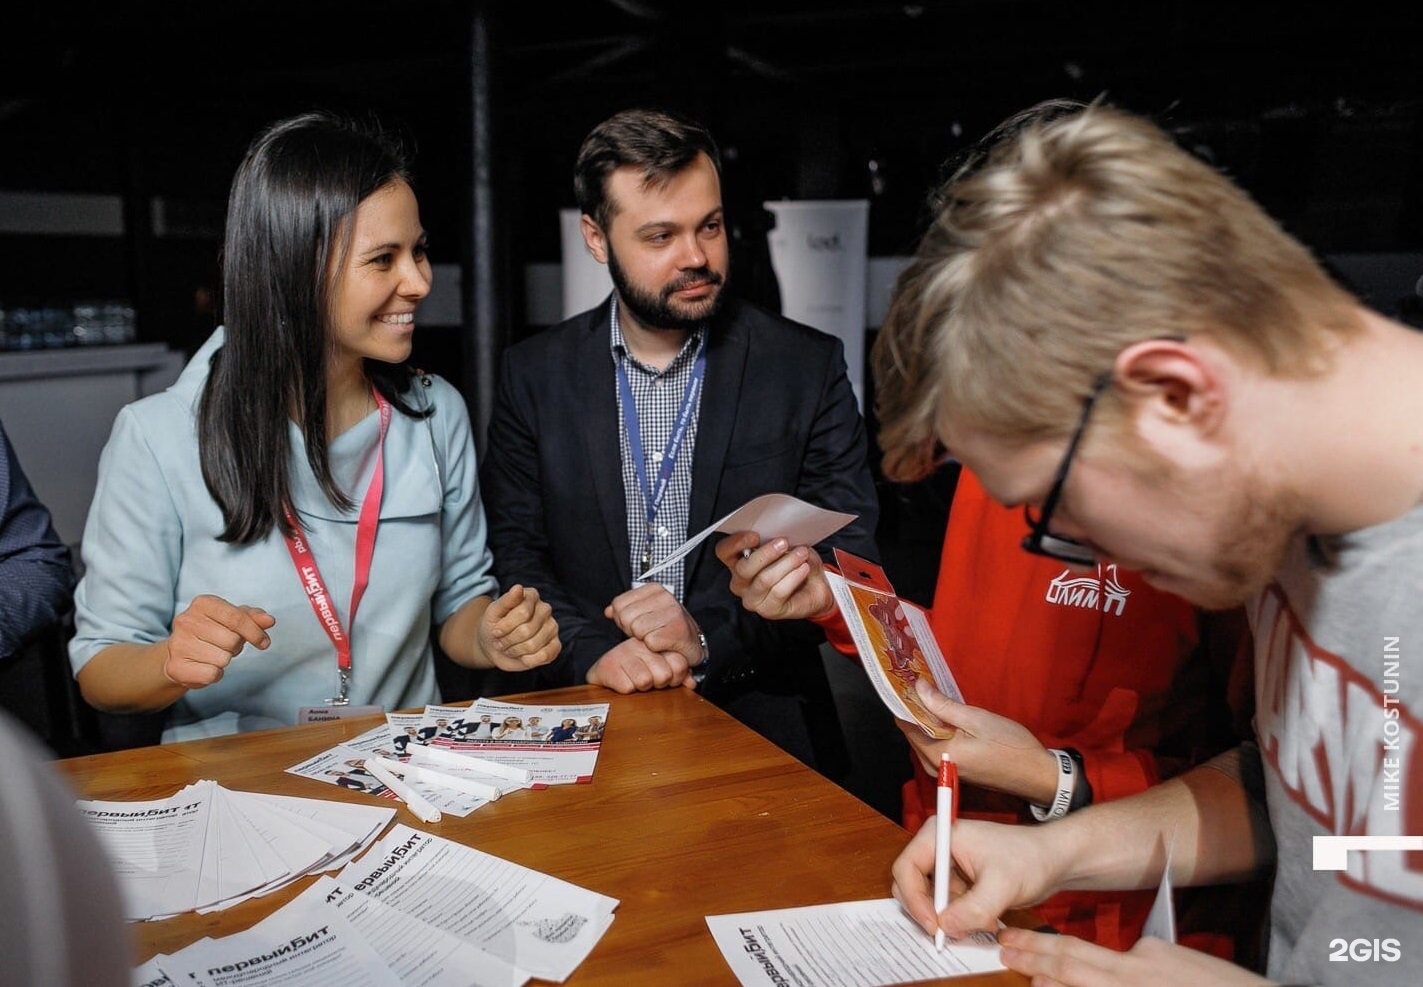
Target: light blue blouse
151	545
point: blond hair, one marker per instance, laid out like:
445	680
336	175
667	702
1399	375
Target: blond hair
1073	233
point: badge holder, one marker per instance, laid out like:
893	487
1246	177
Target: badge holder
338	707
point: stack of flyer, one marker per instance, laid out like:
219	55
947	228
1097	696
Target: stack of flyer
208	848
458	758
417	910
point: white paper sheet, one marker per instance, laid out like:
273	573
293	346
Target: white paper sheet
347	827
156	848
530	920
420	954
774	515
235	863
307	945
1161	920
851	944
149	975
232	846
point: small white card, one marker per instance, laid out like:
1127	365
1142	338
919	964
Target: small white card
325	714
774	515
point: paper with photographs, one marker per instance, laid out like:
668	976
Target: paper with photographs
556	745
344	765
404	731
894	640
528	919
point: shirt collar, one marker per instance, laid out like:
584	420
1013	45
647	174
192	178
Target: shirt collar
619	347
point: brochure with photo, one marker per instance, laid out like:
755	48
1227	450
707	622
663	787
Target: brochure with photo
556	745
894	640
345	765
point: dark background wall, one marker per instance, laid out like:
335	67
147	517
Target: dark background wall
1315	109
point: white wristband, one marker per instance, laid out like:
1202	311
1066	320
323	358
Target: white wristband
1066	783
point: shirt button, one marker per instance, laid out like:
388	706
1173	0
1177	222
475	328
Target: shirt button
662	531
656	456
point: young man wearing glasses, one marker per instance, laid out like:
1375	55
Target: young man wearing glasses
1087	685
1099	324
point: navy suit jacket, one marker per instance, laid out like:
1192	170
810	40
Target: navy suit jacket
777	415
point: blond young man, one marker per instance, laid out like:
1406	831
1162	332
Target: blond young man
1113	335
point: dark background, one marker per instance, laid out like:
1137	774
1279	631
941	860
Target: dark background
1314	109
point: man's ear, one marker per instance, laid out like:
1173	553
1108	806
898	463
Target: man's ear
1173	383
593	238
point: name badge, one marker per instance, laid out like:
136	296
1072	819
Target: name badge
325	714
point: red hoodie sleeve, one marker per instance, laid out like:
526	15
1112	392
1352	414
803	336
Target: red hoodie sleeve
1117	774
1223	704
837	632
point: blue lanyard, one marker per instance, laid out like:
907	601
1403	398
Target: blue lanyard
652	496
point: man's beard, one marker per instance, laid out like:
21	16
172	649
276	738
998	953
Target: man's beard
662	311
1250	549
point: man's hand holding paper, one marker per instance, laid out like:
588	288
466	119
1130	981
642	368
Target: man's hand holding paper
776	580
767	516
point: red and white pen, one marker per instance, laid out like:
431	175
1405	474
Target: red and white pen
944	813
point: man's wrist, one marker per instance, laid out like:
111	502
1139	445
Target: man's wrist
1067	854
699	641
831	611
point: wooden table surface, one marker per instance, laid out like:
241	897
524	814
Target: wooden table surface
689	814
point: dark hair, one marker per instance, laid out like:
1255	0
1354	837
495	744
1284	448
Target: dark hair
658	142
287	218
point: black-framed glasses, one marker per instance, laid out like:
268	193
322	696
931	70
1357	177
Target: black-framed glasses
1040	540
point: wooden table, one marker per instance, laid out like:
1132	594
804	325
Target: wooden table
689	814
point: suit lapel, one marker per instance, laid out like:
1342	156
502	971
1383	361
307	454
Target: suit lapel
596	416
721	397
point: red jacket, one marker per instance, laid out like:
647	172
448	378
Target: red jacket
1099	662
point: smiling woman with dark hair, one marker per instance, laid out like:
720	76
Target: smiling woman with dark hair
297	456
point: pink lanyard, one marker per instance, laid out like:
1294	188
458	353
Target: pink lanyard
310	575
